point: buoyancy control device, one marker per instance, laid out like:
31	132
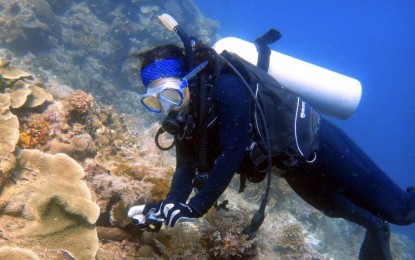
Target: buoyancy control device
292	124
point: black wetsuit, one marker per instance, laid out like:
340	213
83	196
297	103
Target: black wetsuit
342	182
227	140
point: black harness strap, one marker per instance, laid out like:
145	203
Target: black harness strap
202	164
264	53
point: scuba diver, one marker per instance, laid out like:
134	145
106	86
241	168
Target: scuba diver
218	121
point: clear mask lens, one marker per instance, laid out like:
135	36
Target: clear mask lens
163	97
171	95
151	103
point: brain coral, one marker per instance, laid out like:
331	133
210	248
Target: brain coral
49	206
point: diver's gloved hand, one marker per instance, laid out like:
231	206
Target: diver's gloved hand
178	212
148	217
145	209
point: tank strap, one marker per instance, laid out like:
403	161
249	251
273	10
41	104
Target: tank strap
264	51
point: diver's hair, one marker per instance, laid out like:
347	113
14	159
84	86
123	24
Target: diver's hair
169	51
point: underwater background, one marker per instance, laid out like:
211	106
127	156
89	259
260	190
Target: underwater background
77	148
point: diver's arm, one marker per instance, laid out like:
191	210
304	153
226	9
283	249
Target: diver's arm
232	104
181	185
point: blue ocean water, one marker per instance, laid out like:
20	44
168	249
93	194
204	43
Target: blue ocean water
372	41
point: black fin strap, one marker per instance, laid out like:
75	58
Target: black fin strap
264	52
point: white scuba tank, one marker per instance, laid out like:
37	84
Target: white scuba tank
327	91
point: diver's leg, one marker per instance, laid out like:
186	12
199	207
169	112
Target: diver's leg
314	190
376	244
359	179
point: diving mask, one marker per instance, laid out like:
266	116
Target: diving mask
164	94
167	93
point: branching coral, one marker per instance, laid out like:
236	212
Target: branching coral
34	131
185	241
226	238
292	239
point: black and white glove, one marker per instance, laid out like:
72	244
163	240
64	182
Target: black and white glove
148	217
178	212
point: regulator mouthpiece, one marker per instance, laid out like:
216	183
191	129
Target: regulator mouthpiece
168	21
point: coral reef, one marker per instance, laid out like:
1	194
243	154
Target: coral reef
38	96
9	136
35	131
9	125
87	42
78	147
226	239
79	102
19	94
291	239
9	72
49	206
7	252
21	88
7	164
28	25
